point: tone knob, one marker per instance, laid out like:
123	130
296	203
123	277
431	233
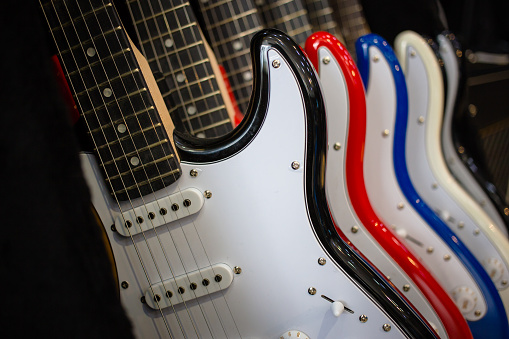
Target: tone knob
495	269
294	334
465	299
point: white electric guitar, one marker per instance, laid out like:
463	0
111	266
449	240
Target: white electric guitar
394	201
450	54
235	238
427	167
346	122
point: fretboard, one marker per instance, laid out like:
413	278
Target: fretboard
131	144
321	17
352	22
169	37
230	25
289	16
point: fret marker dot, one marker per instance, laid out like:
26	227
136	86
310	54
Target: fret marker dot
107	92
181	77
247	76
237	45
90	51
135	161
191	110
168	43
121	128
200	135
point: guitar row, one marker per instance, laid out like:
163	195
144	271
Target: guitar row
256	182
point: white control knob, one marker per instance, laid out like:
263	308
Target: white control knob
337	308
465	299
294	334
495	269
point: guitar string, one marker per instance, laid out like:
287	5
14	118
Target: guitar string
210	17
79	103
164	249
158	237
181	64
183	232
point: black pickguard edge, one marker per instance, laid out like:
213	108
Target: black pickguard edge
211	150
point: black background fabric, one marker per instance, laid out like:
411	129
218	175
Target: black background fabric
56	279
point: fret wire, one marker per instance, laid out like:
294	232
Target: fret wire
159	58
190	84
114	30
105	105
109	81
147	182
90	65
236	37
170	32
191	66
92	12
139	168
164	12
129	154
183	104
127	137
233	18
214	125
206	112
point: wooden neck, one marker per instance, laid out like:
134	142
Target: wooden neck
116	105
170	38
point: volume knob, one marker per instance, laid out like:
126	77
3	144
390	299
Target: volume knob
465	299
294	334
494	268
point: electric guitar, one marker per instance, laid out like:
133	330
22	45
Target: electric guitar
289	16
353	25
197	253
169	37
427	168
230	26
398	204
321	17
346	121
452	57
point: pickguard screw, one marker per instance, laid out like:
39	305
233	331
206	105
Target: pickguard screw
193	173
476	232
461	224
477	313
124	284
208	194
447	257
295	165
385	133
386	327
430	249
412	53
312	290
355	229
326	60
472	109
400	206
276	63
504	282
321	261
363	318
113	228
406	287
237	270
337	146
434	185
420	120
506	211
376	58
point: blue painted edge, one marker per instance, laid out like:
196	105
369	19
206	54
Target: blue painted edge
495	321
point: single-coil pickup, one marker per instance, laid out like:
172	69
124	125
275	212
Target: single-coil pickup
159	212
189	286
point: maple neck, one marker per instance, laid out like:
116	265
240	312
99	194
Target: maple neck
230	25
170	38
321	17
122	122
352	21
289	16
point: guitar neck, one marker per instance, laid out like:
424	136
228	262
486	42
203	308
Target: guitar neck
321	17
352	21
289	16
230	25
170	38
121	118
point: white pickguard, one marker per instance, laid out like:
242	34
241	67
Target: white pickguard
427	168
454	163
335	92
386	196
256	219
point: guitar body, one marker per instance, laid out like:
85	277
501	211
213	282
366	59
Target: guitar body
394	199
346	120
428	170
253	245
449	53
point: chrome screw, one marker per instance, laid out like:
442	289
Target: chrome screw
276	63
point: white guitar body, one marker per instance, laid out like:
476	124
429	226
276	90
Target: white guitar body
390	203
428	170
454	163
256	219
335	92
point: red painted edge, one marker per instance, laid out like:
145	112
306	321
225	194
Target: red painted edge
74	114
238	115
453	321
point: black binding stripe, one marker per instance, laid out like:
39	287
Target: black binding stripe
210	150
